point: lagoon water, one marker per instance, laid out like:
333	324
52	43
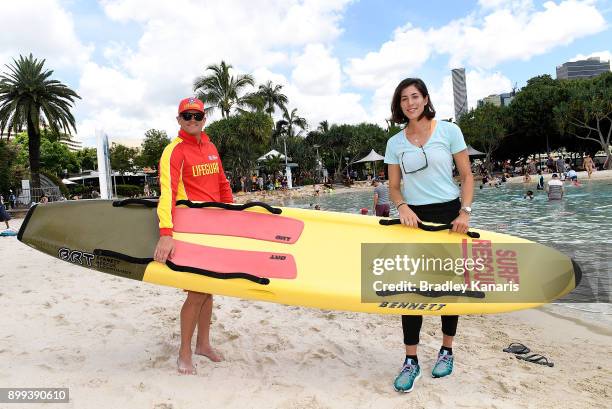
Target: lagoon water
579	225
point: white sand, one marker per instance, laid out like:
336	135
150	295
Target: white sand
114	342
582	177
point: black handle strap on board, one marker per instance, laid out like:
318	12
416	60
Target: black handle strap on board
184	269
428	227
435	294
189	203
142	202
230	206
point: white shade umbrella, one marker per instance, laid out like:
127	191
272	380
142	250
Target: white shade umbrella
270	154
371	157
474	152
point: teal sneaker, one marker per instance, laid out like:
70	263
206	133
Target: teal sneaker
443	366
404	382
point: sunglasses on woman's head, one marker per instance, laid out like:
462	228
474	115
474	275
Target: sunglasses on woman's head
198	116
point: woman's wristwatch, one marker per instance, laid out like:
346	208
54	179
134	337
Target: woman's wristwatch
467	210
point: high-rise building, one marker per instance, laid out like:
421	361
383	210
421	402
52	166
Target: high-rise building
588	68
72	144
459	92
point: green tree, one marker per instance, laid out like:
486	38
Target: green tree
272	97
88	158
293	122
28	97
484	128
240	140
8	156
152	148
273	164
221	89
366	137
530	119
55	157
122	159
587	112
254	102
336	145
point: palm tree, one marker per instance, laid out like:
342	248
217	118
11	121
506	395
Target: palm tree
294	121
273	164
221	89
29	97
254	102
273	97
279	131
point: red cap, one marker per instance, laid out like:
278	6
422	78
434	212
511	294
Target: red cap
191	103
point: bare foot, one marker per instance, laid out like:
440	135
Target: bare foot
185	367
209	353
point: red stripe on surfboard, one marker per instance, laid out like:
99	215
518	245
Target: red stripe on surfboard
258	263
260	226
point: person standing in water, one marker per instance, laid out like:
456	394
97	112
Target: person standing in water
381	198
555	188
422	154
588	165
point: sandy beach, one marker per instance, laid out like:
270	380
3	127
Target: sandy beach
582	176
298	192
114	341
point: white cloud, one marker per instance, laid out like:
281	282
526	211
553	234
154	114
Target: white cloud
134	87
401	57
500	31
316	72
44	29
103	86
507	34
335	108
605	55
179	42
479	85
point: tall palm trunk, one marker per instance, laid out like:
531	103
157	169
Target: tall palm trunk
34	152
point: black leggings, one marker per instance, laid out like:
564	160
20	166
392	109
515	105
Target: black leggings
435	213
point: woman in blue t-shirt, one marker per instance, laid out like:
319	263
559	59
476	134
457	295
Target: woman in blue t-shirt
422	154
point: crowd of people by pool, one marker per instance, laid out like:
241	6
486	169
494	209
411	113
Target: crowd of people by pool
563	172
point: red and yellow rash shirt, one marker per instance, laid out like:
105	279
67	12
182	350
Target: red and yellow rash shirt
189	170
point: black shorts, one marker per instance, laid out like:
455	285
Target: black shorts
4	216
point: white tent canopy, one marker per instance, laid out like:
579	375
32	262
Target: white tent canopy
474	152
270	154
371	157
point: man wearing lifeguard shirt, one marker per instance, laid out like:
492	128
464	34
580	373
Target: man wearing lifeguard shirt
190	168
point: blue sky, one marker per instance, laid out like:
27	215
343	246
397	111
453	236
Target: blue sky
338	60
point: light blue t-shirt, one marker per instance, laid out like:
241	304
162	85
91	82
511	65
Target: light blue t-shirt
435	183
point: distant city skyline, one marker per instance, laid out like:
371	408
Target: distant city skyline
338	60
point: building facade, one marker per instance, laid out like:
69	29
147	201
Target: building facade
459	92
588	68
500	100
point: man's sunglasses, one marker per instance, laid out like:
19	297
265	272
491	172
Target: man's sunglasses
198	116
